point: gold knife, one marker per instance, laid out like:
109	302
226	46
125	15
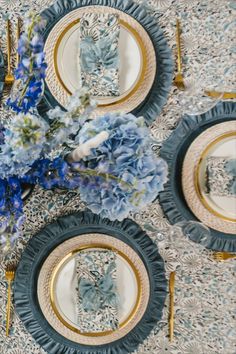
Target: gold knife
171	292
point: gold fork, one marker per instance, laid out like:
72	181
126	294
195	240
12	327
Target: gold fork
9	275
9	78
171	292
179	80
223	256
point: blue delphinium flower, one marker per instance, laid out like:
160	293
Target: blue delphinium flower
125	175
31	70
11	211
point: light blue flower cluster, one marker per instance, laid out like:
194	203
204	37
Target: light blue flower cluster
28	137
24	143
65	124
24	139
121	176
128	175
31	70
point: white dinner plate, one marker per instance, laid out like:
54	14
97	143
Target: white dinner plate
137	61
217	212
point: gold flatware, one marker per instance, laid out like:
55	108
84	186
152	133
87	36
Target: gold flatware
9	78
9	275
179	80
225	95
18	30
223	256
171	317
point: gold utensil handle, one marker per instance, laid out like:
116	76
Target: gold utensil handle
171	318
179	66
226	95
8	308
8	47
230	256
18	37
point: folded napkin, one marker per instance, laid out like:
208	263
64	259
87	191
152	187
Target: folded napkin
221	176
97	297
99	53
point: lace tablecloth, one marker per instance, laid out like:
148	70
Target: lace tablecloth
205	303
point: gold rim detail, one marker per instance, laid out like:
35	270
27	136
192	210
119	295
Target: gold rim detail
191	180
142	71
59	256
140	89
197	176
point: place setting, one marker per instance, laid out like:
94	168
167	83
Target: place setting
109	237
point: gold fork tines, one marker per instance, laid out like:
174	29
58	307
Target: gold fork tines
9	78
223	256
179	80
171	317
9	275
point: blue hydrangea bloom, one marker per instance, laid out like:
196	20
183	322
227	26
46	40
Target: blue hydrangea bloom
129	174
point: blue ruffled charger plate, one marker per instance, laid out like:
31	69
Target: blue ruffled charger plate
173	151
70	229
156	97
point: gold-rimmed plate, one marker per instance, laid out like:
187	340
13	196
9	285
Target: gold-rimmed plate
46	280
56	292
217	212
137	61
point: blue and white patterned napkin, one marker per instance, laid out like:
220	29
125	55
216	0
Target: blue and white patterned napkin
221	176
99	53
97	297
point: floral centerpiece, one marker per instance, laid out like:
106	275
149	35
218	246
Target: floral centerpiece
108	160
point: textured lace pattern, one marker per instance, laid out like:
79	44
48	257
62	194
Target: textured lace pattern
205	289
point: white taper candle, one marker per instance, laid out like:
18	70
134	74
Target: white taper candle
85	149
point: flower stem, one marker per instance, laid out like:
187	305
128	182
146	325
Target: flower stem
106	176
30	30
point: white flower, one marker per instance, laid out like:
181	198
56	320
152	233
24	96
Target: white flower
26	131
